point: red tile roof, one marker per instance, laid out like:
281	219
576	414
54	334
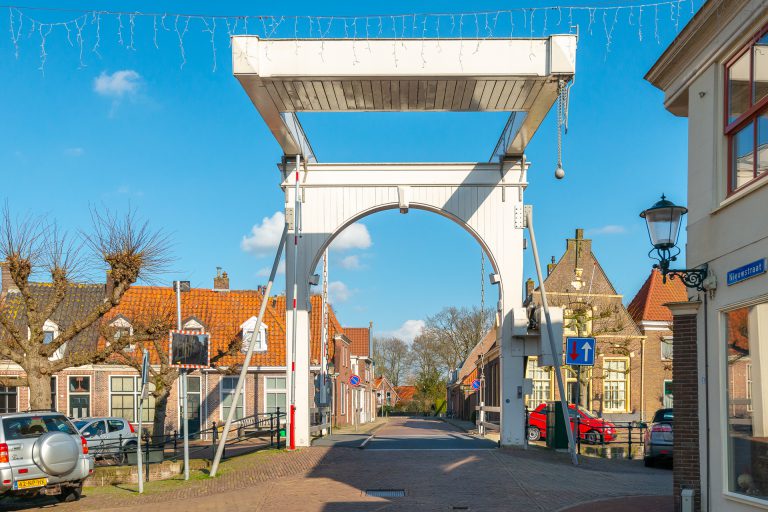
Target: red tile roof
222	313
405	393
649	302
360	338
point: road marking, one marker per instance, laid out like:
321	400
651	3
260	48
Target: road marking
366	441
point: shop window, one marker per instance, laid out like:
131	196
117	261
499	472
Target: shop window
615	384
747	113
746	343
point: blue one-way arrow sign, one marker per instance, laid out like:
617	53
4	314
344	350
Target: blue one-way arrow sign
580	351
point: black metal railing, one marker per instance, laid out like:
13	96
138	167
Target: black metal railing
624	440
155	449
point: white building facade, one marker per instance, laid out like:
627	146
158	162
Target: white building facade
716	74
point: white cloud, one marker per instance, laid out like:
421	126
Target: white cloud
355	236
609	229
408	331
264	237
351	262
339	292
74	152
118	84
265	271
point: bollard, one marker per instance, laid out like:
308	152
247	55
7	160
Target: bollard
147	440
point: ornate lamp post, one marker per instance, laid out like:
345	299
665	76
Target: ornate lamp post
663	221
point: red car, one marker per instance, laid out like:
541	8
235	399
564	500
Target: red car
591	428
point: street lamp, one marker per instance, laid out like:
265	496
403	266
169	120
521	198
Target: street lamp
663	221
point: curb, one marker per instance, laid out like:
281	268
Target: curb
468	431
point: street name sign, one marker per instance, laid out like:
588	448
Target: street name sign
745	272
354	380
580	351
476	384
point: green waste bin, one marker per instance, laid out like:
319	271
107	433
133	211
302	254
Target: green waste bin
557	436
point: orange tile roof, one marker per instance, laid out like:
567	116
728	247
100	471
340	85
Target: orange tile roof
405	393
360	338
315	324
222	313
649	302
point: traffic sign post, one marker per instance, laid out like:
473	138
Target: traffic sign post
144	380
579	352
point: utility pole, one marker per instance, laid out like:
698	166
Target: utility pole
183	375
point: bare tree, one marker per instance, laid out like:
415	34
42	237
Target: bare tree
150	324
392	358
31	247
456	332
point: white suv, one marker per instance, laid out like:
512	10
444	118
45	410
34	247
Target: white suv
42	453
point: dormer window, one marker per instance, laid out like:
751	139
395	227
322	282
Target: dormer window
50	333
194	325
248	327
121	328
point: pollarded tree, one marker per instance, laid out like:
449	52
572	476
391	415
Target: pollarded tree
392	357
32	247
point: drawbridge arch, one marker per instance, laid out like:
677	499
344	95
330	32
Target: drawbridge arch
521	76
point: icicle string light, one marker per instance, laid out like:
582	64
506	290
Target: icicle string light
84	27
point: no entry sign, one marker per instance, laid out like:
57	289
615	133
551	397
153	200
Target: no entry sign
354	380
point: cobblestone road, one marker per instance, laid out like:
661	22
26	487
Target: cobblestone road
333	479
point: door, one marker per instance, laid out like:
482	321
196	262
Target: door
79	406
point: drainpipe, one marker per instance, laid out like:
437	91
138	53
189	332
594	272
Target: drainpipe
642	379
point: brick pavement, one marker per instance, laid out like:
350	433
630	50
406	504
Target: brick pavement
332	479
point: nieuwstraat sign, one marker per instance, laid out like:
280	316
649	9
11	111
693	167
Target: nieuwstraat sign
747	271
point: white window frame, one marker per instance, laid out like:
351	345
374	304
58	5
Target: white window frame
222	394
342	399
90	392
267	391
625	381
262	339
136	397
666	341
533	370
53	327
664	395
122	323
16	392
192	324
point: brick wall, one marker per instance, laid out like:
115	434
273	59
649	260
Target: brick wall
685	389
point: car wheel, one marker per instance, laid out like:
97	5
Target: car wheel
70	494
592	437
534	434
123	457
649	462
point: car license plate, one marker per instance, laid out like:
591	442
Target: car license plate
28	484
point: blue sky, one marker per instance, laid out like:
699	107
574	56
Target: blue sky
186	149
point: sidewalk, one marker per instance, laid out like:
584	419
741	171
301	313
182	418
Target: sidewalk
466	426
366	428
627	504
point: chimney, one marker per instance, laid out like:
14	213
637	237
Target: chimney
110	284
579	234
6	281
529	287
551	266
580	247
221	281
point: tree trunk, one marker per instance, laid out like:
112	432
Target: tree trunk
161	408
39	391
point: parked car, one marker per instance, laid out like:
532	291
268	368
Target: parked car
108	436
659	438
592	429
42	453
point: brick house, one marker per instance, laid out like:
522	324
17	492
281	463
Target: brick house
386	395
614	387
655	323
112	389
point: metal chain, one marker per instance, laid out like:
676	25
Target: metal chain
561	91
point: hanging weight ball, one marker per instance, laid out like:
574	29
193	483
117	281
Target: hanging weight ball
559	173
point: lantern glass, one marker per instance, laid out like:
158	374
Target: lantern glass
663	220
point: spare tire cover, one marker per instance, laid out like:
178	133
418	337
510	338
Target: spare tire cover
56	453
